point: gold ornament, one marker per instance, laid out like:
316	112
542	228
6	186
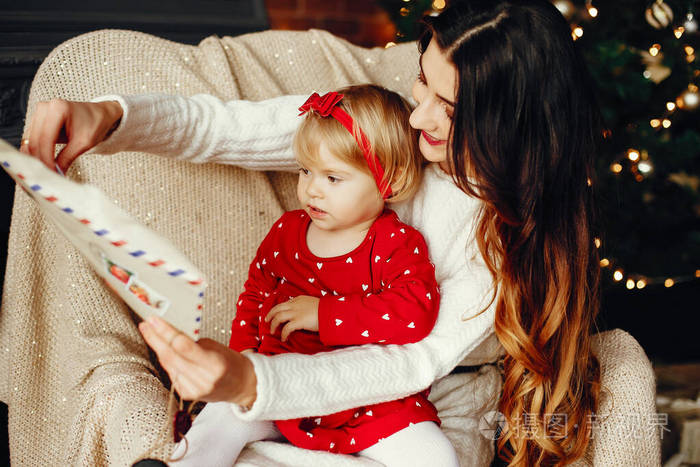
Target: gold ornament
655	70
659	15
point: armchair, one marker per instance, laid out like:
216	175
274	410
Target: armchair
82	387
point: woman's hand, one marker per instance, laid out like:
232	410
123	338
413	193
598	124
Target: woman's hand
81	125
203	370
299	313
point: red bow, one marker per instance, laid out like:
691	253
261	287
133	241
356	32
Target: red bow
322	104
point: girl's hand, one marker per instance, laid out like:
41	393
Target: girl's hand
81	125
299	313
205	370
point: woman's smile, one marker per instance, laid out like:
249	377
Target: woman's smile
432	141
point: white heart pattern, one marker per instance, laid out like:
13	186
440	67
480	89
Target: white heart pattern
407	272
364	286
242	322
415	251
369	412
296	255
332	445
411	325
428	295
392	235
276	253
263	261
319	265
257	265
240	302
352	441
311	279
279	226
385	316
376	258
365	333
338	322
323	292
318	421
402	230
341	299
349	260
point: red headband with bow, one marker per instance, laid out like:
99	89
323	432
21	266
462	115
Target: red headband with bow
327	105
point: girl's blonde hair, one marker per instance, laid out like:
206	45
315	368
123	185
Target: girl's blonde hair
383	117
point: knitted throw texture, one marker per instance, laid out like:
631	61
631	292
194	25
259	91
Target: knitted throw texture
81	385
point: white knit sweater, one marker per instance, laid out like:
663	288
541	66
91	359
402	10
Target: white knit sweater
258	136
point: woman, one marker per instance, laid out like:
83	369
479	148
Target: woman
505	109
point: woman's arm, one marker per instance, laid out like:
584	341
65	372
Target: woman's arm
294	385
202	128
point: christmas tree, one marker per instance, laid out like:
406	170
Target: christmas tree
643	60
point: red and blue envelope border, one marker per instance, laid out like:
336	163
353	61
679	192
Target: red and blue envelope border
36	190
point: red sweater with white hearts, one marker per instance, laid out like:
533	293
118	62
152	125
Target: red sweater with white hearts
384	291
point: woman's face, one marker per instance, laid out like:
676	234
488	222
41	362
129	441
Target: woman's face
435	91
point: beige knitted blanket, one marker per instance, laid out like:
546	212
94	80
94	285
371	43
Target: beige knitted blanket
82	387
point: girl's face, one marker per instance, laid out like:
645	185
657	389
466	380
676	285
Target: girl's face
336	195
435	91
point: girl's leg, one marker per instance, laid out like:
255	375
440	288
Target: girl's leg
416	445
217	437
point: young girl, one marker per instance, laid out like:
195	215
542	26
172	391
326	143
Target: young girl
343	270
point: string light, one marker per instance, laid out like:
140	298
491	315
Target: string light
666	123
439	4
678	32
633	155
670	106
617	275
616	168
593	11
630	284
654	50
578	31
605	262
641	283
668	283
644	167
597	242
655	123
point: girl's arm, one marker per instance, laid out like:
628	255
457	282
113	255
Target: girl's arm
202	128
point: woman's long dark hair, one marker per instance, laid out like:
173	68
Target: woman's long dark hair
525	129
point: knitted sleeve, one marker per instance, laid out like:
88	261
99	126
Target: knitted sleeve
295	385
202	128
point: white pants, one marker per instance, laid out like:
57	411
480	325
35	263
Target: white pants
217	437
